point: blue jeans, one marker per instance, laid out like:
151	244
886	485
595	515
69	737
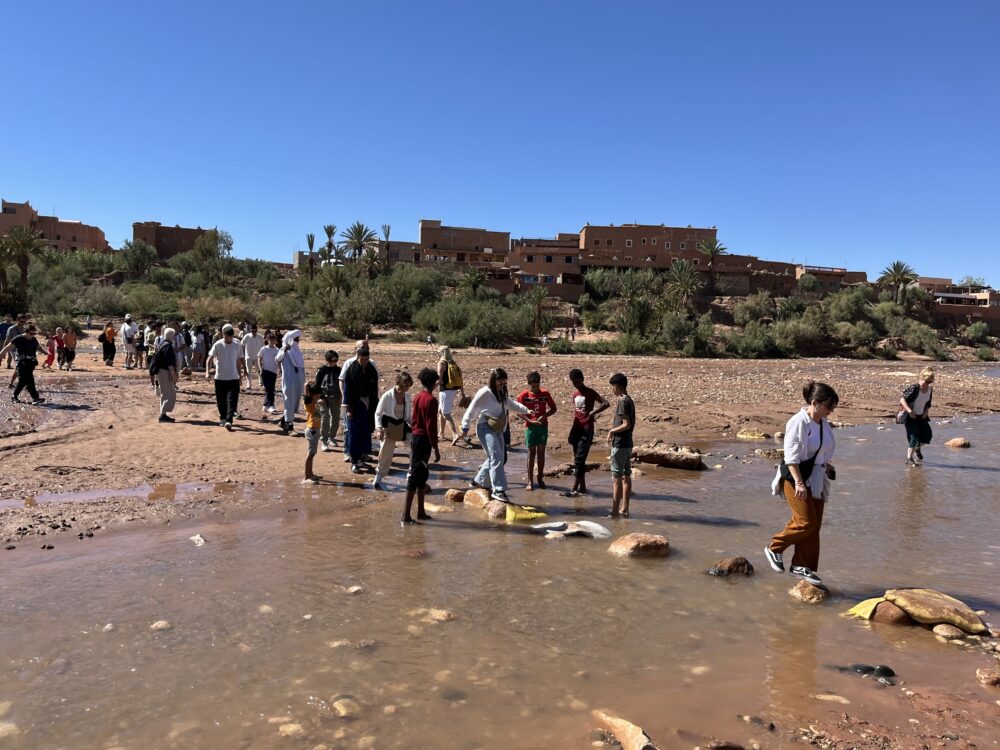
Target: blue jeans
492	443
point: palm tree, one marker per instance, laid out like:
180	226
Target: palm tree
536	298
386	229
332	280
371	263
358	239
897	276
310	242
21	245
328	251
711	249
472	280
683	283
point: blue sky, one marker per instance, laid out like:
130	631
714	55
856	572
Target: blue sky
849	133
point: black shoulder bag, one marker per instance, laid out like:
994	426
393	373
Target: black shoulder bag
806	467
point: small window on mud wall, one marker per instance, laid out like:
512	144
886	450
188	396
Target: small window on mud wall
628	243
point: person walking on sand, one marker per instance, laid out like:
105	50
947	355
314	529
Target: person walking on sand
267	362
536	431
293	378
587	404
916	403
423	440
50	349
252	342
489	409
69	348
312	398
452	389
360	397
128	331
620	440
328	380
15	330
392	420
804	479
107	339
27	348
225	355
163	374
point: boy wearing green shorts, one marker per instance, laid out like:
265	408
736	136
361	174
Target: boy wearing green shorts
541	406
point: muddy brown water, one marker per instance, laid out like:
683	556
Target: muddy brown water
264	632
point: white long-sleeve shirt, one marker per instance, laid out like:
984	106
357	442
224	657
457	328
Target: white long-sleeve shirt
387	407
802	440
484	404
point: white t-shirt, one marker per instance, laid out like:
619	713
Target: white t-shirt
226	358
267	361
128	331
920	405
252	346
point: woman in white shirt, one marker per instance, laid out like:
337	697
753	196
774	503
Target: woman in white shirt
392	419
489	410
804	479
916	402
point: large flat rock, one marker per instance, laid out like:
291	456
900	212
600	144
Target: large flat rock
932	607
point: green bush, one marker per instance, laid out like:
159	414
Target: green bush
986	354
886	352
847	305
213	309
49	323
759	307
275	311
923	339
799	337
595	320
101	301
675	330
755	341
976	333
860	334
561	346
328	336
791	307
145	300
699	343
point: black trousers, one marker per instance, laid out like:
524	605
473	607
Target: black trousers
227	397
581	441
420	457
268	379
108	350
26	378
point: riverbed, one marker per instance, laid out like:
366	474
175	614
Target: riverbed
470	633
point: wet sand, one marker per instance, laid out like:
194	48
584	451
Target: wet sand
95	457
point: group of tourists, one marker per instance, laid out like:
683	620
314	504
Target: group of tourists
348	396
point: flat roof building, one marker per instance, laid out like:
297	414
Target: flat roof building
62	234
168	241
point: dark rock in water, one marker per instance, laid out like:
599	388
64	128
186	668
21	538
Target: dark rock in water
723	745
731	566
862	668
454	694
889	614
880	672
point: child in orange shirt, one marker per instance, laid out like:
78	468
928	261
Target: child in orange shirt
311	398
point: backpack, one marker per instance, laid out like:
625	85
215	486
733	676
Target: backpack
454	375
102	339
154	361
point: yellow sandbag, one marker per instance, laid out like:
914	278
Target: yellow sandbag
517	513
866	609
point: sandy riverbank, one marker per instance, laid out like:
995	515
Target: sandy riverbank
98	433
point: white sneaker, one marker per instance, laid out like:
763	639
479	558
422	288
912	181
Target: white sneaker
801	571
325	447
774	560
310	480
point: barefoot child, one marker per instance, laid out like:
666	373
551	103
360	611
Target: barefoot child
311	398
536	432
587	404
423	439
620	439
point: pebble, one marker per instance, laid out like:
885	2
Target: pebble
9	729
291	730
389	710
832	698
346	708
265	609
108	628
355	590
161	625
700	670
307	617
366	743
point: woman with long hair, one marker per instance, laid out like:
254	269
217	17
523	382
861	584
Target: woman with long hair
489	410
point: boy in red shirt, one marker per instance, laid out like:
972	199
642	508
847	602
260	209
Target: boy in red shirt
587	404
536	432
423	439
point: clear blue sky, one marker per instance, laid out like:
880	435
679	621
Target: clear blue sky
849	133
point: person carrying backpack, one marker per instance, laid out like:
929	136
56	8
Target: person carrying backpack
163	374
327	380
452	389
915	411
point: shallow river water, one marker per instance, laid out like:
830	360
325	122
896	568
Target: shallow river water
264	632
